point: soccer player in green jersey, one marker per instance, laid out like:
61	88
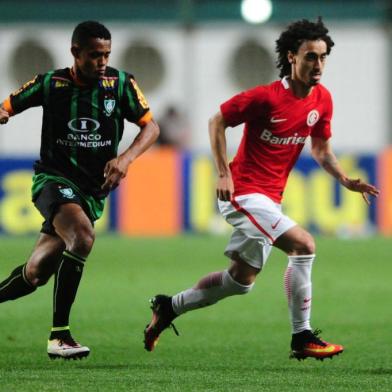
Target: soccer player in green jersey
84	108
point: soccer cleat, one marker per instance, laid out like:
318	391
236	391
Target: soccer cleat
66	348
307	344
162	317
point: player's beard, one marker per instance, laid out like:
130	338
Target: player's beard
313	81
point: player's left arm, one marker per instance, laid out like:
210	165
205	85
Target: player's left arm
117	168
137	111
325	157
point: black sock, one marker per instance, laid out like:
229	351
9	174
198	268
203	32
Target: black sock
16	285
66	283
62	333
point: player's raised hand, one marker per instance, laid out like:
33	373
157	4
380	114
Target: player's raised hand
115	170
357	185
225	188
4	116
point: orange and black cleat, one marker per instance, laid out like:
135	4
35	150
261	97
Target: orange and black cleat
162	317
307	344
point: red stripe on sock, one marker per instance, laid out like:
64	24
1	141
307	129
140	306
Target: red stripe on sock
287	282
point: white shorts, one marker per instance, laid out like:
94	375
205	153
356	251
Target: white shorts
258	222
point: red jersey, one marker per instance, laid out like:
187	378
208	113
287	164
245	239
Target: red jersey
277	124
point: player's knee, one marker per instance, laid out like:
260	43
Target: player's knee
83	241
243	289
241	272
309	246
36	276
39	281
235	287
305	246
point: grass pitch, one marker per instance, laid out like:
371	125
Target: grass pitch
240	344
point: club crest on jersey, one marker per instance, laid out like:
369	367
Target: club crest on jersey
313	117
109	105
67	192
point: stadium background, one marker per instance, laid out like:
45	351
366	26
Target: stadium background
194	55
240	344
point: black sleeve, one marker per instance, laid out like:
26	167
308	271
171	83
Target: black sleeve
134	104
29	95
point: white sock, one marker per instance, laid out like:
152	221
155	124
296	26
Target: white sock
209	290
298	287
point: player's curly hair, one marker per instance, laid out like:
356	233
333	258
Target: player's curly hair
292	38
84	31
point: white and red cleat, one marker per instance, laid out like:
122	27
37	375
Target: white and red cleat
66	349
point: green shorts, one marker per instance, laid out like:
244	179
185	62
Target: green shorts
49	192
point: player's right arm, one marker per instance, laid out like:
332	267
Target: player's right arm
4	115
29	95
237	110
217	130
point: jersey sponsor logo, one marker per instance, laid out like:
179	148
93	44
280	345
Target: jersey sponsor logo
109	105
67	193
268	136
83	124
277	120
84	137
83	134
313	117
83	142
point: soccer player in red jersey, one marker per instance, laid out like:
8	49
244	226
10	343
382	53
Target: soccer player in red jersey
277	120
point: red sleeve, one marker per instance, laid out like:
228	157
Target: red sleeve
245	106
323	127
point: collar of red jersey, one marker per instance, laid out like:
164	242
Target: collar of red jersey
285	82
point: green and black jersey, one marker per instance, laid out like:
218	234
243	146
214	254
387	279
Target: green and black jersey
82	125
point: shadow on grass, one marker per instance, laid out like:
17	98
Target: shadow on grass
148	367
60	365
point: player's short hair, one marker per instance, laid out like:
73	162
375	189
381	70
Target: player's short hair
84	31
292	38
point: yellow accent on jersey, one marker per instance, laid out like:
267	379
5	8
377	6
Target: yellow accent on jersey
27	84
61	83
108	83
140	96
